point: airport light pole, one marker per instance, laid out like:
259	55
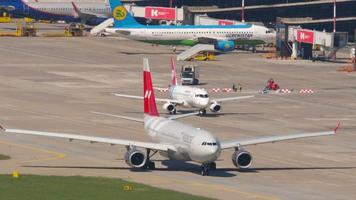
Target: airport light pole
334	16
243	11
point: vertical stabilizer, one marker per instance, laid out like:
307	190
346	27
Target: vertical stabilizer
174	74
122	18
149	100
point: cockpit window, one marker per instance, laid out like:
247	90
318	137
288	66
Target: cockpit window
269	31
202	95
208	144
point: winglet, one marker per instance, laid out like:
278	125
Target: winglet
174	75
2	128
337	127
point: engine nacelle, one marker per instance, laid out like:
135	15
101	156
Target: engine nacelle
169	107
215	107
135	158
225	45
242	159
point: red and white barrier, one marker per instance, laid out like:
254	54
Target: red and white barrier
222	90
163	89
306	91
216	90
285	91
227	90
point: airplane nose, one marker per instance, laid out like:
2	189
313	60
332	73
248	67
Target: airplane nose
214	150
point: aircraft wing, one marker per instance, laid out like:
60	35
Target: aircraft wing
119	116
86	14
232	98
147	145
141	97
272	139
174	117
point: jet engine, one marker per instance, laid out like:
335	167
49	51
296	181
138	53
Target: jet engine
242	159
215	107
169	107
7	8
135	158
225	45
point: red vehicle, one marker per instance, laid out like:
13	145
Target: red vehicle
271	85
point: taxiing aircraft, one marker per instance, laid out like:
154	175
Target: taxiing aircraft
189	97
224	38
89	13
175	140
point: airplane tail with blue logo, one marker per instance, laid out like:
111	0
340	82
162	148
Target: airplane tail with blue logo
122	17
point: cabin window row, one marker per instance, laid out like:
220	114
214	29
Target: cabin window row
201	32
70	9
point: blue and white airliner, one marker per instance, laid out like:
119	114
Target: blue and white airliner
89	13
224	38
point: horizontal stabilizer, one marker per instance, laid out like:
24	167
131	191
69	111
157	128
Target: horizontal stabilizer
119	116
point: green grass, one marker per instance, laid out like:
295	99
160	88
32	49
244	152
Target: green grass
31	187
4	157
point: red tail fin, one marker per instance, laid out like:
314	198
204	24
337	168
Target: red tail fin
149	99
174	75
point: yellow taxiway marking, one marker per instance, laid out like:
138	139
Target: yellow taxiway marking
56	156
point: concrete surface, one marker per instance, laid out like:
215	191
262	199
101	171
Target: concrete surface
52	84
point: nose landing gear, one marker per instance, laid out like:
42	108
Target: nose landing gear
206	167
202	112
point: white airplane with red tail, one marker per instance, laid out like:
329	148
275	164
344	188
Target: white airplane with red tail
188	97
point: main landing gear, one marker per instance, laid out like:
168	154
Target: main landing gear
202	112
150	165
206	167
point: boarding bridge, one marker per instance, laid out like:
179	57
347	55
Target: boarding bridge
194	50
97	30
331	42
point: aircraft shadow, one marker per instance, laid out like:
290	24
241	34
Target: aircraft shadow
174	165
227	114
180	112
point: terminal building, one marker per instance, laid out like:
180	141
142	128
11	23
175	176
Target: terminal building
311	14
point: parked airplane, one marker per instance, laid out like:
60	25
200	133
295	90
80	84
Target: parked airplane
89	13
224	38
189	97
175	140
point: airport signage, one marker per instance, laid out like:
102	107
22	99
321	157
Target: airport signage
305	36
160	13
225	22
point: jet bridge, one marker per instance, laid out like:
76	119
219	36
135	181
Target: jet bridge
194	50
304	42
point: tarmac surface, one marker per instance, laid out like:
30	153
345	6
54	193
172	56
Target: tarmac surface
53	84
